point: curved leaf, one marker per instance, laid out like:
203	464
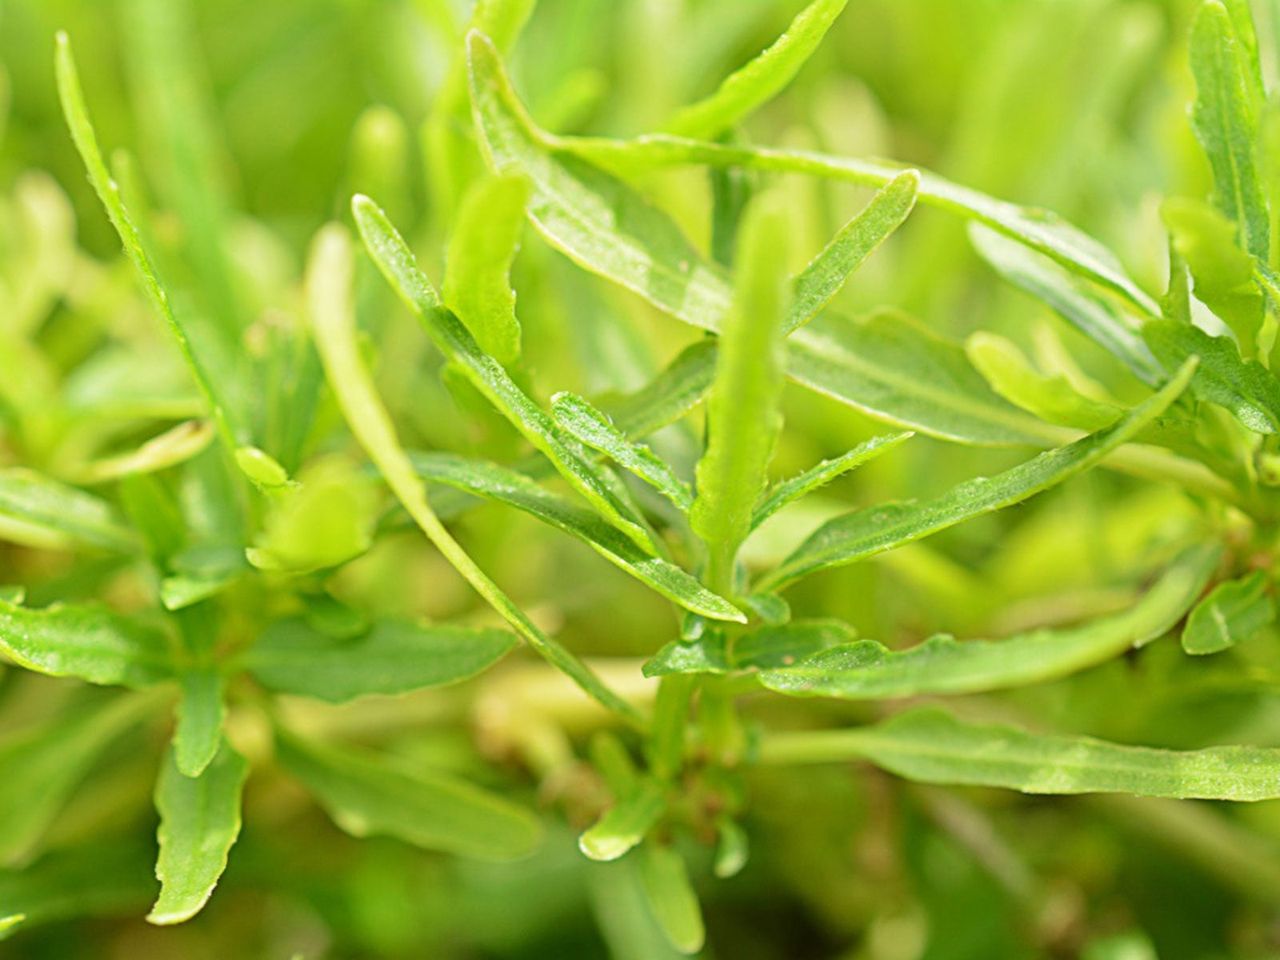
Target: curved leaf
38	511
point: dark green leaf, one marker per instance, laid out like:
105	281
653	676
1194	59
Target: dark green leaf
767	648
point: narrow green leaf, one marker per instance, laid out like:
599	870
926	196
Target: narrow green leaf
932	746
1232	612
1051	398
743	415
37	511
670	395
390	657
477	285
732	848
397	265
333	323
88	642
1226	125
168	449
864	533
9	923
1244	387
788	491
622	912
48	764
767	648
626	822
869	670
367	796
504	485
73	107
1053	285
826	273
594	429
759	81
672	900
1222	272
199	824
200	716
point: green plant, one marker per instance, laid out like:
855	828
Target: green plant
233	532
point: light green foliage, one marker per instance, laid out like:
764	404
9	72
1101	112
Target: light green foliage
388	657
743	419
1233	611
477	285
760	80
932	746
88	642
367	796
199	823
278	519
866	669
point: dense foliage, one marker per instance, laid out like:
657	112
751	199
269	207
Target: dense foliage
462	476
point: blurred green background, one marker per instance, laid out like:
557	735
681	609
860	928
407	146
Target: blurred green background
1076	105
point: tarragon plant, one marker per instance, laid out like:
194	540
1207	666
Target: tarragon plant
208	571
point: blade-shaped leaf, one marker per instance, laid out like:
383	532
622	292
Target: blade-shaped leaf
932	746
333	323
398	266
1232	612
826	273
88	642
73	107
367	796
1226	125
788	491
38	511
495	482
626	822
764	649
392	656
672	900
199	824
49	763
1245	387
743	415
864	533
477	285
200	715
763	78
593	428
868	670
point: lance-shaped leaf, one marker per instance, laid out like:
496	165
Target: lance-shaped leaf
743	415
1226	125
398	266
932	746
1245	387
593	428
85	641
199	824
367	796
625	824
201	711
672	900
1051	398
821	280
477	284
48	763
764	649
504	485
866	532
760	80
333	323
794	488
73	107
1232	612
40	512
869	670
1055	287
392	656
